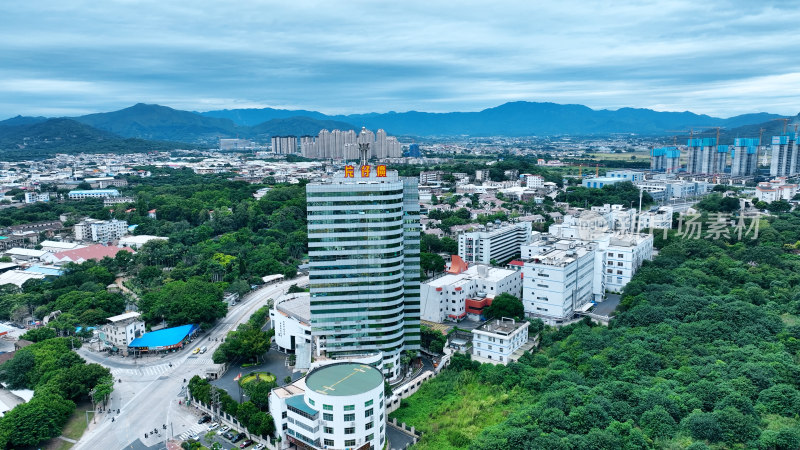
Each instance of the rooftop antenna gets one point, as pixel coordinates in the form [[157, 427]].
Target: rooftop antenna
[[363, 151]]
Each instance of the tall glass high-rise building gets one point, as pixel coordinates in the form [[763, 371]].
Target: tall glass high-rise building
[[363, 239]]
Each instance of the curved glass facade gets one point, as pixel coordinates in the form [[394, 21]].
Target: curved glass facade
[[363, 238]]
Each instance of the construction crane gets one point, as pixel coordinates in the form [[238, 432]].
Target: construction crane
[[764, 157], [786, 121]]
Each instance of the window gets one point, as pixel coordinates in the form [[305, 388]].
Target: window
[[368, 403], [369, 425], [619, 255], [327, 407], [311, 402], [611, 255], [349, 407], [368, 413], [350, 443], [283, 415], [619, 272], [371, 436], [350, 430], [349, 417], [327, 417], [327, 430], [328, 442], [610, 270]]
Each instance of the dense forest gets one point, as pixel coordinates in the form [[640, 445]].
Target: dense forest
[[704, 353]]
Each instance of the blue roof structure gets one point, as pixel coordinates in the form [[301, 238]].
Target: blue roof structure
[[164, 338], [723, 148], [702, 142], [673, 152], [783, 140], [47, 271], [297, 402], [745, 142]]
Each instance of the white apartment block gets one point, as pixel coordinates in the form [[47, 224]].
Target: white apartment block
[[335, 406], [496, 341], [660, 219], [776, 189], [430, 177], [557, 278], [622, 255], [481, 175], [33, 197], [100, 230], [784, 156], [96, 193], [534, 181], [123, 329], [284, 145], [500, 244], [458, 295]]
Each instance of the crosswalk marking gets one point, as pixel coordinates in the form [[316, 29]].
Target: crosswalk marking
[[195, 429], [141, 371]]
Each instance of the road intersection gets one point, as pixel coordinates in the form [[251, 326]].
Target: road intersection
[[148, 395]]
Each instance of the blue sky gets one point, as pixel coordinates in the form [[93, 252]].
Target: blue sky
[[717, 57]]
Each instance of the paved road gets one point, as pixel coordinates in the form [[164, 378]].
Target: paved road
[[150, 389]]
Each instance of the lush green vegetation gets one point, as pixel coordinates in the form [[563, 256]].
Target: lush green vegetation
[[704, 353], [59, 378], [248, 341], [253, 413], [624, 193], [505, 305]]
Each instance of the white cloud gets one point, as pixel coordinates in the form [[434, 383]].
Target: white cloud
[[719, 57]]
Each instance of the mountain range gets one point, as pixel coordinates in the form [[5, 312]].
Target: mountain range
[[160, 123]]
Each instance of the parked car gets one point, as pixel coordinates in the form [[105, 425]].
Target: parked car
[[204, 419], [228, 435], [259, 447], [224, 429], [238, 437], [204, 349], [213, 426], [246, 443]]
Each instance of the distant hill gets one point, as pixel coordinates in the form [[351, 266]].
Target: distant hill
[[39, 139], [163, 123], [250, 117], [770, 128], [21, 120], [295, 126], [514, 119]]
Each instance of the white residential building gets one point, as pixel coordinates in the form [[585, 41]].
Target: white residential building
[[534, 181], [622, 256], [96, 193], [784, 156], [33, 197], [498, 244], [335, 406], [776, 189], [557, 278], [284, 145], [100, 230], [496, 341], [123, 329], [660, 219], [461, 294], [430, 177]]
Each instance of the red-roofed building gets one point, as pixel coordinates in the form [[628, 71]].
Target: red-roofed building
[[96, 252], [516, 265]]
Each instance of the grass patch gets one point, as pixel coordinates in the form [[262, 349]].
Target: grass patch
[[262, 376], [453, 408], [790, 319], [76, 424]]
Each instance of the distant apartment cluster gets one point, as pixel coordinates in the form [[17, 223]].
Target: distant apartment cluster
[[707, 156], [343, 145]]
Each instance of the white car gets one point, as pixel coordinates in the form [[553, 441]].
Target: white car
[[223, 429], [259, 447], [194, 437], [213, 426]]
